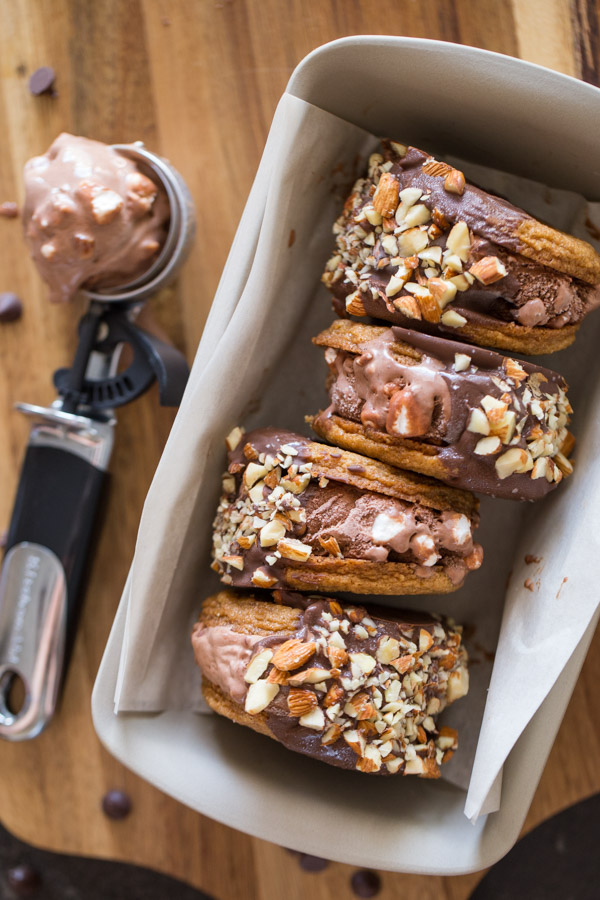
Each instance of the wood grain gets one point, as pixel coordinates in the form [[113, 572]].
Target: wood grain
[[198, 81]]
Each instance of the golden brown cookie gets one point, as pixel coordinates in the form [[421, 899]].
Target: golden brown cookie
[[419, 246], [301, 514], [354, 688], [470, 417]]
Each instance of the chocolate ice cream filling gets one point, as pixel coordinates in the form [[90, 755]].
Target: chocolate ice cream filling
[[367, 525], [274, 513], [454, 397], [223, 655]]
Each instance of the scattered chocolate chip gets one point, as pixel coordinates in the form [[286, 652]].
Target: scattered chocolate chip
[[312, 863], [42, 81], [365, 883], [9, 210], [528, 583], [11, 307], [529, 559], [24, 880], [291, 238], [116, 804]]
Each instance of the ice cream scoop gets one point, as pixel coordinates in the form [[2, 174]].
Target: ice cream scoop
[[93, 208], [95, 216]]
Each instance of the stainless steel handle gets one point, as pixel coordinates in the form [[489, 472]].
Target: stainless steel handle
[[33, 623]]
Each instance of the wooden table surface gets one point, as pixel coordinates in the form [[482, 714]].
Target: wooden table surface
[[198, 81]]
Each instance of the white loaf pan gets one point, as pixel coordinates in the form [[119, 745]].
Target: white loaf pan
[[466, 101]]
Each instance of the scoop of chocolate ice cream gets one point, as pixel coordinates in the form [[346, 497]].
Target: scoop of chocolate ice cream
[[91, 217]]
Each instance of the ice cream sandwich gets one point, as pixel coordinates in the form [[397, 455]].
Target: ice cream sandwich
[[470, 417], [338, 683], [419, 246], [299, 514]]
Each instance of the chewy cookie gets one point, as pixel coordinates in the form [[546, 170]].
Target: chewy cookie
[[356, 690], [298, 514], [420, 247], [470, 417]]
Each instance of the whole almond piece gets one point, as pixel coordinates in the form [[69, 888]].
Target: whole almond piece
[[454, 182], [385, 200], [435, 168], [292, 654], [300, 701], [276, 676]]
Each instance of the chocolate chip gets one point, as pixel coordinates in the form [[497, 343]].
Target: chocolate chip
[[312, 863], [11, 307], [116, 804], [366, 883], [42, 81], [9, 210], [24, 880]]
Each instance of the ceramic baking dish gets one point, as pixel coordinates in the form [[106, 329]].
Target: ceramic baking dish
[[473, 104]]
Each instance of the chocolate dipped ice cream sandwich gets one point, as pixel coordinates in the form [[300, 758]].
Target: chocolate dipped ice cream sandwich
[[92, 218], [299, 514], [419, 246], [468, 416], [338, 683]]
